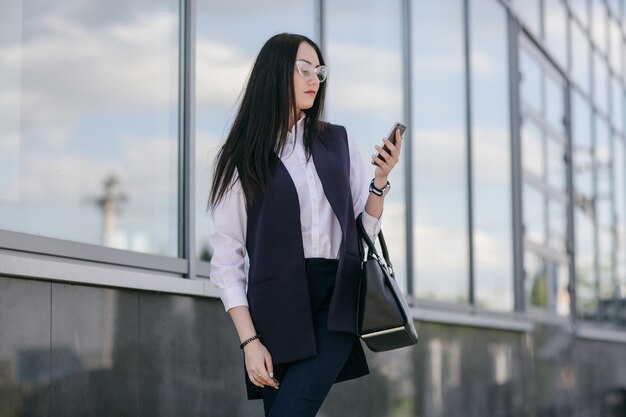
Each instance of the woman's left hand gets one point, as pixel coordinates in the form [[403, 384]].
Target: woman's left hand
[[390, 159]]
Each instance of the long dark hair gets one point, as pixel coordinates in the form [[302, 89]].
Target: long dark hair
[[260, 129]]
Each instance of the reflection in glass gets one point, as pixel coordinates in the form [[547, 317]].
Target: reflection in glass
[[370, 100], [583, 163], [615, 7], [536, 287], [534, 214], [531, 85], [439, 152], [532, 149], [603, 159], [560, 277], [586, 299], [94, 91], [581, 124], [601, 80], [224, 57], [580, 59], [10, 100], [555, 29], [605, 263], [598, 24], [557, 224], [619, 173], [555, 105], [616, 46], [580, 10], [617, 111], [491, 149], [555, 157], [528, 11]]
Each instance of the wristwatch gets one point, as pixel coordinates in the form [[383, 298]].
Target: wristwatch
[[379, 192]]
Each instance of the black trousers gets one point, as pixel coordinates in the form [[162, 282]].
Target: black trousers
[[304, 384]]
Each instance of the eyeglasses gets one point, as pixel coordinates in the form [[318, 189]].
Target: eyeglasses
[[307, 71]]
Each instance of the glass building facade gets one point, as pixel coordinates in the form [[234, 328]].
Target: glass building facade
[[506, 221]]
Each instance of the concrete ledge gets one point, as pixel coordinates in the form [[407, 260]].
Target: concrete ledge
[[47, 268], [590, 332], [474, 319]]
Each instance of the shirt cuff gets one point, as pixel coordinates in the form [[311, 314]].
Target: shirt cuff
[[371, 225], [233, 297]]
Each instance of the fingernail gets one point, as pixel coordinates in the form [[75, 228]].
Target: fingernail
[[374, 155], [272, 374]]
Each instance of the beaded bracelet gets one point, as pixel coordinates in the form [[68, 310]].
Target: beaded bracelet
[[245, 342]]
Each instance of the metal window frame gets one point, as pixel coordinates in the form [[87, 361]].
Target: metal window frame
[[550, 68], [187, 143], [408, 147], [469, 154], [18, 242]]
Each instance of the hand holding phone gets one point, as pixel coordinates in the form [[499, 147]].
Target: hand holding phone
[[391, 137]]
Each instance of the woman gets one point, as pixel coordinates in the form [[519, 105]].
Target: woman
[[287, 189]]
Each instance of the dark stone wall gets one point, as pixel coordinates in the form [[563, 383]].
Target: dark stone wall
[[75, 350]]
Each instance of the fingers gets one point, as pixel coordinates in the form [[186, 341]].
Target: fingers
[[255, 378], [261, 370], [398, 140], [394, 150]]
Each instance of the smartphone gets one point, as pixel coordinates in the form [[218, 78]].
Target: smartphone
[[392, 136]]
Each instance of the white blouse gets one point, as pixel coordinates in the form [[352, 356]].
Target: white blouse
[[321, 232]]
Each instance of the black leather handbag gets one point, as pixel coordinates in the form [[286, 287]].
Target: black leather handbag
[[384, 320]]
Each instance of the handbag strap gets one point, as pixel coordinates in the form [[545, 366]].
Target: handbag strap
[[370, 245]]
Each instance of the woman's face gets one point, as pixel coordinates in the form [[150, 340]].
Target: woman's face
[[305, 90]]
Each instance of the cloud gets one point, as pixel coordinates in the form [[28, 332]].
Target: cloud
[[70, 71], [440, 161], [221, 72], [367, 77]]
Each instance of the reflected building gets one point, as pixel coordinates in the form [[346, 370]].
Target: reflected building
[[506, 222]]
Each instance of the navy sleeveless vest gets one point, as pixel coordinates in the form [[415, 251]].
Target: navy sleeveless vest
[[277, 284]]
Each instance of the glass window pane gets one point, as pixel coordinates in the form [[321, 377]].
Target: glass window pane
[[581, 57], [439, 152], [586, 299], [376, 50], [528, 12], [581, 122], [560, 278], [603, 159], [493, 263], [534, 213], [617, 109], [10, 101], [555, 105], [615, 7], [531, 84], [619, 173], [583, 162], [555, 29], [580, 10], [532, 149], [557, 224], [601, 79], [616, 46], [95, 89], [598, 12], [605, 263], [556, 165], [224, 57], [535, 271]]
